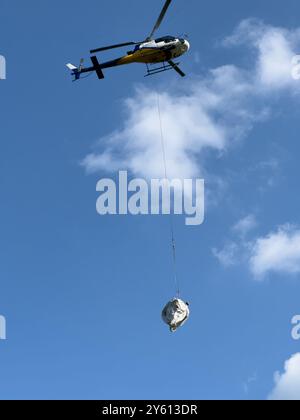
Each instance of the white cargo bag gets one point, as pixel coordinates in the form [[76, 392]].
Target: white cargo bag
[[175, 314]]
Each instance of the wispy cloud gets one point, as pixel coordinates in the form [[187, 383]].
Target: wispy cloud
[[236, 250], [228, 255], [250, 381], [245, 225]]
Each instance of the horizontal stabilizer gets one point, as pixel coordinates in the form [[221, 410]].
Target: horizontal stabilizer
[[71, 66]]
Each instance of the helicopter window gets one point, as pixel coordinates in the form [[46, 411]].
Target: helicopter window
[[165, 39]]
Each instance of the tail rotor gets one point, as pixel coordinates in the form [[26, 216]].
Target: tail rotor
[[76, 71]]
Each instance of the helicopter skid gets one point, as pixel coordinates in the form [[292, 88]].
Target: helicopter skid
[[161, 69]]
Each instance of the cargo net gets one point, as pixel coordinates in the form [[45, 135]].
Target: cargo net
[[175, 314]]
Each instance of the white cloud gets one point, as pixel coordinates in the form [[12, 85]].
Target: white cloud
[[276, 48], [210, 113], [245, 225], [277, 252], [287, 384], [191, 124]]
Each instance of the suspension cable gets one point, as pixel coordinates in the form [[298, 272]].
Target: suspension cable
[[172, 230]]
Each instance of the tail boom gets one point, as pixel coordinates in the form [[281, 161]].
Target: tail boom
[[97, 67]]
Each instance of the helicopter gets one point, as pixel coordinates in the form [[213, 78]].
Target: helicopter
[[151, 52]]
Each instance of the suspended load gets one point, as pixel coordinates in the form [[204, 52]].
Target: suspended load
[[175, 314]]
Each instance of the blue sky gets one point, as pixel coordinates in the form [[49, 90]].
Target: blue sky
[[82, 294]]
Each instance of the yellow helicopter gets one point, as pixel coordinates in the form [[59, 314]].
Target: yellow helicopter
[[150, 52]]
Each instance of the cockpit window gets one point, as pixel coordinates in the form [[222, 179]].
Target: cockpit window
[[165, 39]]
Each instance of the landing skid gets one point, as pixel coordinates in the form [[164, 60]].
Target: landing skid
[[161, 69]]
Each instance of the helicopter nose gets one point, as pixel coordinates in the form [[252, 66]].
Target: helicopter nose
[[187, 45]]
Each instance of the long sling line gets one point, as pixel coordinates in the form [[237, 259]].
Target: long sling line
[[173, 242]]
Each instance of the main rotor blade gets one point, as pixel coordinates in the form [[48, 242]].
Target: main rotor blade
[[176, 68], [110, 47], [161, 17]]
